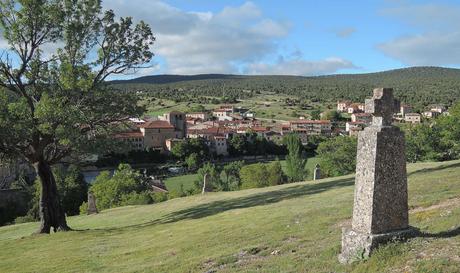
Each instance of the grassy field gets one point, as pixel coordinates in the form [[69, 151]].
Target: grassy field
[[188, 180], [174, 183], [287, 228], [266, 106]]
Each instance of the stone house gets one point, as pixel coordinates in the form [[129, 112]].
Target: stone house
[[178, 121], [361, 117], [204, 116], [430, 114], [343, 105], [404, 109], [312, 127], [413, 118]]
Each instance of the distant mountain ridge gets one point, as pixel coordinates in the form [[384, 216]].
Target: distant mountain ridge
[[421, 71]]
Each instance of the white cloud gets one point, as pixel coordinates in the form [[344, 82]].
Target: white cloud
[[425, 49], [429, 16], [192, 42], [301, 67], [437, 41]]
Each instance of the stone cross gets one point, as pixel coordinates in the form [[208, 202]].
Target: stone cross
[[382, 106], [380, 210], [92, 208], [317, 172]]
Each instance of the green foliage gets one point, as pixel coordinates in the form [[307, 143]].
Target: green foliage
[[158, 197], [423, 143], [119, 189], [261, 175], [418, 86], [230, 176], [332, 115], [84, 208], [134, 198], [197, 108], [214, 182], [295, 161], [186, 148], [338, 155], [315, 114], [57, 105], [435, 141], [275, 174], [192, 161], [72, 188], [252, 144]]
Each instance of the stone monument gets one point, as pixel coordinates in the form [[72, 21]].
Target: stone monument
[[317, 172], [92, 209], [206, 185], [380, 209]]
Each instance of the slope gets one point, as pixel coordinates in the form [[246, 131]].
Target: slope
[[287, 228]]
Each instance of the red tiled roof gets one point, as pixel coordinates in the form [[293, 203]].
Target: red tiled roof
[[260, 129], [157, 124]]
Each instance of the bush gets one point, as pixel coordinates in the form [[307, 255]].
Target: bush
[[135, 198], [109, 191], [24, 219], [338, 155], [84, 208], [158, 197], [261, 175]]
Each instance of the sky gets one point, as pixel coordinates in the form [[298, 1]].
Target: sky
[[296, 37]]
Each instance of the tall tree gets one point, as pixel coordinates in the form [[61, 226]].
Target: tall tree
[[338, 155], [54, 102], [295, 161]]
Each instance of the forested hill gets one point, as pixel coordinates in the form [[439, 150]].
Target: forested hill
[[416, 85]]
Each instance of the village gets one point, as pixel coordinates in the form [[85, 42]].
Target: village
[[217, 126]]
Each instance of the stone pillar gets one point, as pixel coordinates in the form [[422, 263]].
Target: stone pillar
[[317, 172], [206, 184], [92, 208], [380, 209]]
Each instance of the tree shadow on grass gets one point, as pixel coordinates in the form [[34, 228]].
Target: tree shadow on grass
[[437, 168], [260, 199]]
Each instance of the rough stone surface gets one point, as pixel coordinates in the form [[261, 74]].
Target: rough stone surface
[[92, 208], [356, 245], [317, 172], [380, 209]]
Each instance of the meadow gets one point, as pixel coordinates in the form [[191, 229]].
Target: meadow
[[287, 228]]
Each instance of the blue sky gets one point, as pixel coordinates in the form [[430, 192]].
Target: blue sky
[[296, 37]]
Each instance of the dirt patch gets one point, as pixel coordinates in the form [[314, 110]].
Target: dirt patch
[[449, 203]]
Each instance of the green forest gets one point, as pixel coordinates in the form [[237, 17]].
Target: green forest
[[418, 86]]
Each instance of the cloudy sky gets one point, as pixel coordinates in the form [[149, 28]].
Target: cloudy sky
[[296, 37]]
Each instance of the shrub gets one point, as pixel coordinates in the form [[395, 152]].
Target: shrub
[[109, 191], [84, 208], [24, 219], [158, 197], [134, 198], [338, 155]]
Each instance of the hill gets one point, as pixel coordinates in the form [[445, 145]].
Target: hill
[[287, 228], [416, 85]]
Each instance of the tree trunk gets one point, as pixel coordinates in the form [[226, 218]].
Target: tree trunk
[[51, 213]]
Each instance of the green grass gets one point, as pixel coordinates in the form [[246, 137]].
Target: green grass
[[174, 183], [266, 106], [188, 180], [287, 228]]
